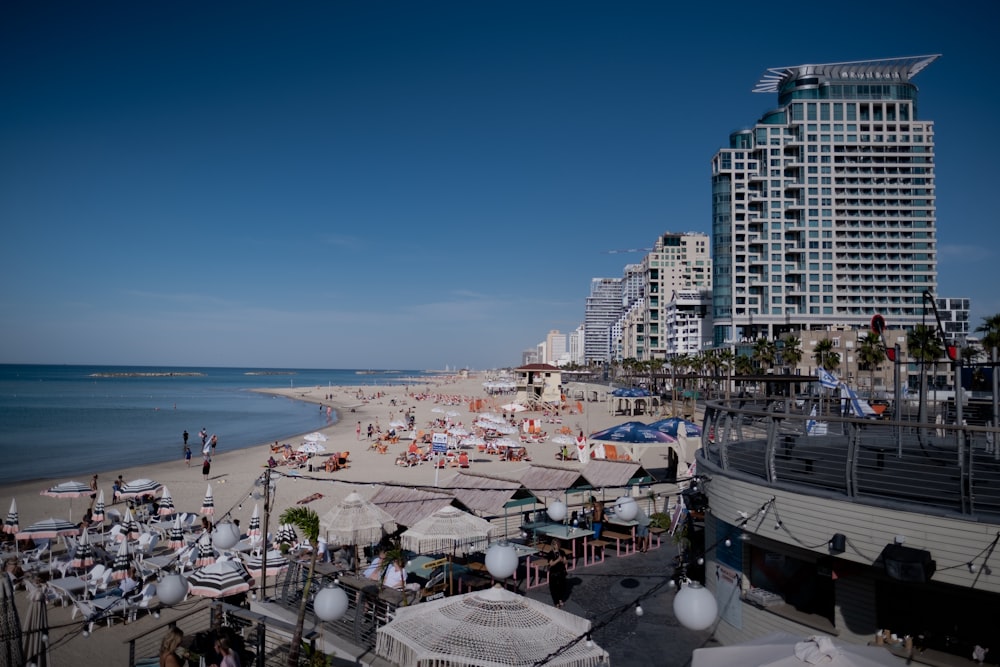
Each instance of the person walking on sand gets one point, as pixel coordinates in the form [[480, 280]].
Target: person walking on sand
[[187, 456], [206, 466], [357, 430], [185, 436], [214, 442]]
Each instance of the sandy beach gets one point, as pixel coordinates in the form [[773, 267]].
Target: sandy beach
[[233, 475]]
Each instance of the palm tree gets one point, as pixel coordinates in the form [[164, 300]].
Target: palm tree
[[871, 353], [764, 353], [825, 357], [990, 328], [791, 353], [307, 521], [727, 360], [924, 346]]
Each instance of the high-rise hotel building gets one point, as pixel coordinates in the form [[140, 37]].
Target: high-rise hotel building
[[823, 213]]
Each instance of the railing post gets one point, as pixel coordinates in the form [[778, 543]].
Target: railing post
[[261, 643], [131, 653]]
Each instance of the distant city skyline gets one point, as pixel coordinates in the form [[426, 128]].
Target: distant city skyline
[[364, 185]]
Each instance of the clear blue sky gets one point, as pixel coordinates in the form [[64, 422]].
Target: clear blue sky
[[407, 185]]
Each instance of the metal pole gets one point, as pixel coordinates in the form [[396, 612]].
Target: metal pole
[[267, 516], [897, 401], [996, 399]]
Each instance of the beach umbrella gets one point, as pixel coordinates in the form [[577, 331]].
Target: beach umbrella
[[11, 650], [139, 487], [206, 554], [286, 533], [276, 564], [355, 521], [448, 530], [670, 426], [314, 437], [220, 579], [166, 504], [439, 411], [458, 431], [130, 527], [208, 504], [176, 535], [633, 433], [48, 528], [311, 448], [83, 556], [10, 526], [36, 630], [253, 530], [122, 561], [492, 628], [98, 513], [69, 490], [513, 407]]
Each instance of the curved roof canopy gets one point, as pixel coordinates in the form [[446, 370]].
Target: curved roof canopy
[[888, 69]]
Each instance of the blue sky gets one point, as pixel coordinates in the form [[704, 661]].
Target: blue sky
[[407, 185]]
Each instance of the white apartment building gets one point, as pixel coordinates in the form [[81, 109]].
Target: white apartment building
[[604, 306], [823, 213], [689, 322]]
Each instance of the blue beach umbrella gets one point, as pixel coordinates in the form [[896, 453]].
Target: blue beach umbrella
[[670, 424], [633, 433]]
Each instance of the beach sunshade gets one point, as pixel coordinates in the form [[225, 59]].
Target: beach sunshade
[[11, 526], [130, 527], [139, 487], [220, 579], [122, 562], [311, 448], [492, 627], [11, 649], [36, 630], [632, 432], [783, 650], [69, 490], [356, 521], [513, 407], [50, 528], [83, 556], [276, 564], [314, 437], [670, 426], [208, 504], [253, 530], [286, 533], [177, 535], [206, 553], [448, 530], [166, 504], [98, 514]]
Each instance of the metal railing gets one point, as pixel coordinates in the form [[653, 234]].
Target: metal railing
[[262, 641], [938, 468]]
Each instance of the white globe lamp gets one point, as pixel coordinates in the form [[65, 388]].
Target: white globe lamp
[[501, 561], [557, 510], [330, 603], [626, 508], [172, 589], [225, 535], [695, 606]]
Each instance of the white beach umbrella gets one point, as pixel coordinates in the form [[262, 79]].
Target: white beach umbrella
[[253, 530], [448, 530], [220, 579], [356, 521], [314, 437], [311, 448], [69, 490], [98, 514]]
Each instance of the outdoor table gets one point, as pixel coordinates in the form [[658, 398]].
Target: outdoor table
[[571, 535]]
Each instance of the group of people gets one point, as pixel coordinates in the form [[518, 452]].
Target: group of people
[[224, 650]]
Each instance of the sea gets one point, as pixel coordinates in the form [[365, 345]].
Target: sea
[[62, 421]]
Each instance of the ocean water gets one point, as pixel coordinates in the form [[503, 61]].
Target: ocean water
[[60, 421]]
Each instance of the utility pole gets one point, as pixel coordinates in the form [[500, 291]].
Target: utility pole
[[263, 551]]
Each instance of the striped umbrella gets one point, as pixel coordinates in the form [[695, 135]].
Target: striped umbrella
[[276, 564], [11, 526], [208, 504], [254, 529], [286, 533], [176, 535], [123, 559], [139, 487], [83, 557], [98, 513], [69, 490], [166, 503], [206, 554], [50, 528], [130, 527], [220, 579]]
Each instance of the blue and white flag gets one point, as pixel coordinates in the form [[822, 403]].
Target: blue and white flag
[[827, 379]]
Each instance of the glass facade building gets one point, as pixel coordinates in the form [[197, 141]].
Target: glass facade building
[[823, 213]]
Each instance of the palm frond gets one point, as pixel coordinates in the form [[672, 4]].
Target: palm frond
[[303, 518]]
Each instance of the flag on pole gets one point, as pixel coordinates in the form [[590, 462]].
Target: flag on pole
[[827, 379]]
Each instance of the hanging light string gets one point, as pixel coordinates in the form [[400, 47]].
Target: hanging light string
[[971, 563]]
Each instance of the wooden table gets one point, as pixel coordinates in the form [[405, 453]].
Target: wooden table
[[571, 535]]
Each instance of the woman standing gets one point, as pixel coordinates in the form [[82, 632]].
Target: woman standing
[[558, 585], [168, 647]]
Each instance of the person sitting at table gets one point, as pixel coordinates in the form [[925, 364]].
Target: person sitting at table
[[395, 578], [374, 569], [597, 518]]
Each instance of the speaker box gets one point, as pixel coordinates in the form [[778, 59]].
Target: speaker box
[[838, 543], [908, 564]]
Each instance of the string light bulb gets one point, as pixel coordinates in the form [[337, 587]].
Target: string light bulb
[[638, 610], [728, 542], [590, 642]]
